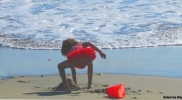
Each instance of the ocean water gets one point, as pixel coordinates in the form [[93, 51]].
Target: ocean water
[[31, 30], [153, 61], [43, 24]]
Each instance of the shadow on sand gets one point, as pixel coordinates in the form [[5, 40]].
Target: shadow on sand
[[50, 93]]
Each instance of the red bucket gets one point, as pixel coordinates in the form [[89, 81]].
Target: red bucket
[[116, 91]]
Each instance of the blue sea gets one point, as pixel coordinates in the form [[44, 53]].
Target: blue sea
[[140, 37]]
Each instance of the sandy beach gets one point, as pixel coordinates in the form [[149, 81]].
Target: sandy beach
[[141, 38], [137, 87]]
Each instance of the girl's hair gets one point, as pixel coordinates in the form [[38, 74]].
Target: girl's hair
[[67, 45]]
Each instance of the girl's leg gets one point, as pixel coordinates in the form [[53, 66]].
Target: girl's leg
[[73, 70], [61, 67], [90, 73]]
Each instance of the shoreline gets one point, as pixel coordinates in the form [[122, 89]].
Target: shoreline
[[137, 87], [103, 48], [13, 76], [20, 42]]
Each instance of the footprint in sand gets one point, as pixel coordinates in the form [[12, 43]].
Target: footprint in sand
[[23, 81], [37, 87], [100, 74], [149, 91], [13, 77], [129, 91], [105, 85]]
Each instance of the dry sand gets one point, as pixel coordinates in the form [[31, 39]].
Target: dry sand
[[137, 87]]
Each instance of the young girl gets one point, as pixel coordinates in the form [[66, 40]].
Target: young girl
[[79, 55]]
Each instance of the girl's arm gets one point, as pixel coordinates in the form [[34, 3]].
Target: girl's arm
[[95, 48]]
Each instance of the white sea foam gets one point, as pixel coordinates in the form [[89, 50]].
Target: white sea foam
[[43, 24]]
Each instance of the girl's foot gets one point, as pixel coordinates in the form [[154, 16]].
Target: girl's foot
[[65, 89], [89, 86]]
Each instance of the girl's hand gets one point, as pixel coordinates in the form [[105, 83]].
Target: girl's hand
[[103, 55], [95, 48]]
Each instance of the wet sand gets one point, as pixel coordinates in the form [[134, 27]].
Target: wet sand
[[137, 87]]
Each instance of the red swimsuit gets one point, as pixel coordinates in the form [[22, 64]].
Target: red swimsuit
[[81, 53]]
